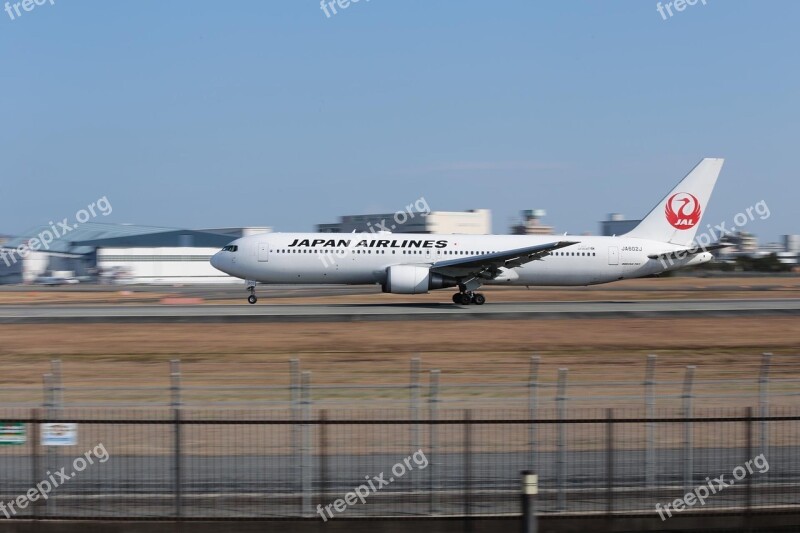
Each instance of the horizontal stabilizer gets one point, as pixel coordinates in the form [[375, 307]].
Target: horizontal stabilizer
[[677, 254]]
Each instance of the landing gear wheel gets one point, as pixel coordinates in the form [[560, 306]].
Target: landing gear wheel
[[463, 298], [457, 298], [251, 288], [478, 299]]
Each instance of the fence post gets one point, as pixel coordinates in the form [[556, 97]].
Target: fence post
[[561, 461], [609, 461], [749, 446], [433, 399], [467, 469], [294, 385], [175, 402], [688, 443], [530, 490], [305, 391], [649, 404], [48, 391], [323, 450], [763, 402], [414, 411], [57, 401], [58, 386], [295, 409], [36, 466], [533, 384]]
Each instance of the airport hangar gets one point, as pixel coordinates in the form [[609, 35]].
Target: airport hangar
[[125, 253], [122, 253]]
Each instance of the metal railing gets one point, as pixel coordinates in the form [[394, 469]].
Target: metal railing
[[191, 464]]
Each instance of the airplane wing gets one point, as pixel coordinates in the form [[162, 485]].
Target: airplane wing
[[677, 254], [487, 266]]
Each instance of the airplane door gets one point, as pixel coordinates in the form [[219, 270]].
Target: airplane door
[[428, 254], [613, 255], [263, 252]]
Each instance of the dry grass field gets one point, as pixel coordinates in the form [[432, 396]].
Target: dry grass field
[[595, 350]]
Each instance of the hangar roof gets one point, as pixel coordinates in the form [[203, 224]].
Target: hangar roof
[[84, 238]]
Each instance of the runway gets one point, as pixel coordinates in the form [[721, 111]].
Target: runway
[[266, 312]]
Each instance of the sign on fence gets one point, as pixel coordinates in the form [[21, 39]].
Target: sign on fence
[[59, 434], [12, 433]]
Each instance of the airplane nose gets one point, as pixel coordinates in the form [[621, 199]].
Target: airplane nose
[[216, 261]]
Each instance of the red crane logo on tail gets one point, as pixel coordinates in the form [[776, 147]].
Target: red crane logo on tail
[[683, 210]]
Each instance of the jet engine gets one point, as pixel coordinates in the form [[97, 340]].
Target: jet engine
[[412, 279]]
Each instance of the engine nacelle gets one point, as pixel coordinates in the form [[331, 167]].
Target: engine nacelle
[[411, 279]]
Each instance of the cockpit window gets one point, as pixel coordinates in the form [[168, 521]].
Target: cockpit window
[[230, 248]]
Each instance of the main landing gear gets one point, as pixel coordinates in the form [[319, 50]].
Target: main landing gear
[[251, 288], [469, 297]]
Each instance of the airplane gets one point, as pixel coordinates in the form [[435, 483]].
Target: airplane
[[407, 263]]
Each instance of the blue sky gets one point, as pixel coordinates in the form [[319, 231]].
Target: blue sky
[[204, 114]]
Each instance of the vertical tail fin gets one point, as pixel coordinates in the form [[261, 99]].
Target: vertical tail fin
[[676, 218]]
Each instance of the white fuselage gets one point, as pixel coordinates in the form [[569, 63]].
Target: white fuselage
[[363, 258]]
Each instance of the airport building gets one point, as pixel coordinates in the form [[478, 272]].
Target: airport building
[[473, 222], [616, 224], [118, 253], [9, 273], [788, 251], [741, 243], [532, 224], [791, 244]]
